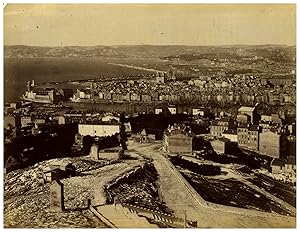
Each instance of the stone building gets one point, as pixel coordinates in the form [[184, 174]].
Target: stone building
[[160, 77], [219, 126], [99, 129], [25, 120], [176, 140], [112, 153], [145, 136], [272, 144], [221, 146], [248, 137], [230, 134], [249, 111], [12, 121]]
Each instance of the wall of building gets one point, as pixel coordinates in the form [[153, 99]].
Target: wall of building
[[248, 139], [253, 140], [242, 118], [242, 135], [172, 110], [13, 121], [25, 121], [218, 146], [277, 169], [269, 144], [61, 120], [178, 143], [98, 130], [94, 152], [158, 111], [217, 130], [108, 155], [200, 112], [231, 137]]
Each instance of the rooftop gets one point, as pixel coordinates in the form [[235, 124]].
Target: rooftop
[[246, 108], [230, 131], [99, 122], [254, 128]]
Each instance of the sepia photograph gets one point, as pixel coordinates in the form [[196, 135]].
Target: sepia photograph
[[139, 115]]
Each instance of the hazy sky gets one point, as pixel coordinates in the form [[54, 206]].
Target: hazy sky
[[203, 24]]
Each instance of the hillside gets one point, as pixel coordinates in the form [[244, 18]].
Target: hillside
[[154, 51]]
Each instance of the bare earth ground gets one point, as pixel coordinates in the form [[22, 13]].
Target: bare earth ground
[[179, 198]]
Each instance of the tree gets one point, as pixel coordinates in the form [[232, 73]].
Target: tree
[[123, 137], [87, 142]]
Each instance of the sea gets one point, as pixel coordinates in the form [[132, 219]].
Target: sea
[[17, 71]]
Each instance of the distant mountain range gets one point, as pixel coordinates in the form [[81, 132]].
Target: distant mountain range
[[153, 51]]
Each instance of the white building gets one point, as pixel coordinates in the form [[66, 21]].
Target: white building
[[98, 130], [158, 110], [172, 110], [201, 112]]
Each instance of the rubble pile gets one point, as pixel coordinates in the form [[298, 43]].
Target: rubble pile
[[32, 211], [86, 164], [20, 181], [140, 188], [27, 197], [77, 194]]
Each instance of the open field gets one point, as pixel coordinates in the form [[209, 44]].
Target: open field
[[232, 193], [276, 188]]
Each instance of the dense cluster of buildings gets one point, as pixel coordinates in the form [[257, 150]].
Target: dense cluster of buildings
[[284, 169], [222, 90], [265, 134]]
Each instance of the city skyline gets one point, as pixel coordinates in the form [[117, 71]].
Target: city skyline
[[149, 24]]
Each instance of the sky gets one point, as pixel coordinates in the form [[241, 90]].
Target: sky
[[133, 24]]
